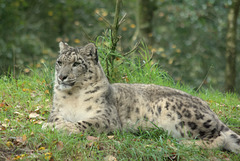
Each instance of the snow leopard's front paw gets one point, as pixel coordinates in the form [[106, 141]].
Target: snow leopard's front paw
[[48, 125], [67, 126]]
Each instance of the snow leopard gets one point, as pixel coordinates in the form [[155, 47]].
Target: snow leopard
[[84, 100]]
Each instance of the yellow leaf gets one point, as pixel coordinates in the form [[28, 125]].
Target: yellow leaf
[[9, 144], [77, 41], [132, 26], [24, 138], [17, 157], [50, 13], [25, 90], [163, 55], [26, 70], [46, 91], [48, 155], [124, 29], [153, 50], [23, 155], [41, 148], [174, 46], [178, 51], [160, 49], [170, 61]]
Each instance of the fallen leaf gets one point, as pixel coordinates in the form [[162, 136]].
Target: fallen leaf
[[110, 137], [24, 138], [2, 128], [41, 148], [33, 115], [46, 91], [2, 104], [59, 145], [17, 157], [18, 113], [93, 141], [19, 140], [48, 156], [92, 138], [38, 122], [9, 144], [110, 158], [90, 144]]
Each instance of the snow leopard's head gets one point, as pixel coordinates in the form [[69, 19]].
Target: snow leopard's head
[[75, 66]]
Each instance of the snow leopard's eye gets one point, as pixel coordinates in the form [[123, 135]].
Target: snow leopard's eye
[[59, 63], [76, 64]]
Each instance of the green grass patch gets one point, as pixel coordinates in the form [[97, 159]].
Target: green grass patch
[[25, 103]]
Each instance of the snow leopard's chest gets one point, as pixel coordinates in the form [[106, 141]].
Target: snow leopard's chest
[[75, 106]]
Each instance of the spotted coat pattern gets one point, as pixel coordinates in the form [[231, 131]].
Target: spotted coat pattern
[[84, 100]]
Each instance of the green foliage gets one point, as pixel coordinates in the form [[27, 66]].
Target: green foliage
[[188, 36]]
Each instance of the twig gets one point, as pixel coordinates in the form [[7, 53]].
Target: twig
[[105, 20], [204, 79], [85, 33], [122, 19], [133, 49]]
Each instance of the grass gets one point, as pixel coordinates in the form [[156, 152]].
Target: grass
[[25, 103]]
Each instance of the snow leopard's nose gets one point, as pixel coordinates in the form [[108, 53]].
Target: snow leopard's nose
[[62, 77]]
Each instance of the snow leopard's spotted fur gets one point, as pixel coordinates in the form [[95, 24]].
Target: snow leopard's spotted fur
[[84, 100]]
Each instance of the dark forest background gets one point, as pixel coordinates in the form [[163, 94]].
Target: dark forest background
[[196, 42]]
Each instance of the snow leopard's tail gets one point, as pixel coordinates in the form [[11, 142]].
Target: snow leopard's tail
[[231, 141]]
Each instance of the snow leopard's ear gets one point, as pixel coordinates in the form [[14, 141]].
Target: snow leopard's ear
[[90, 51], [63, 46]]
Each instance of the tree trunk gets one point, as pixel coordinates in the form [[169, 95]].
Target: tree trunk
[[144, 16], [230, 70]]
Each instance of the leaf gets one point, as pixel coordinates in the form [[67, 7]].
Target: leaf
[[38, 122], [2, 104], [33, 115], [18, 113], [59, 145], [110, 136], [9, 144], [110, 158], [46, 91], [41, 148], [48, 155], [24, 138], [19, 140], [2, 127], [17, 157], [92, 138]]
